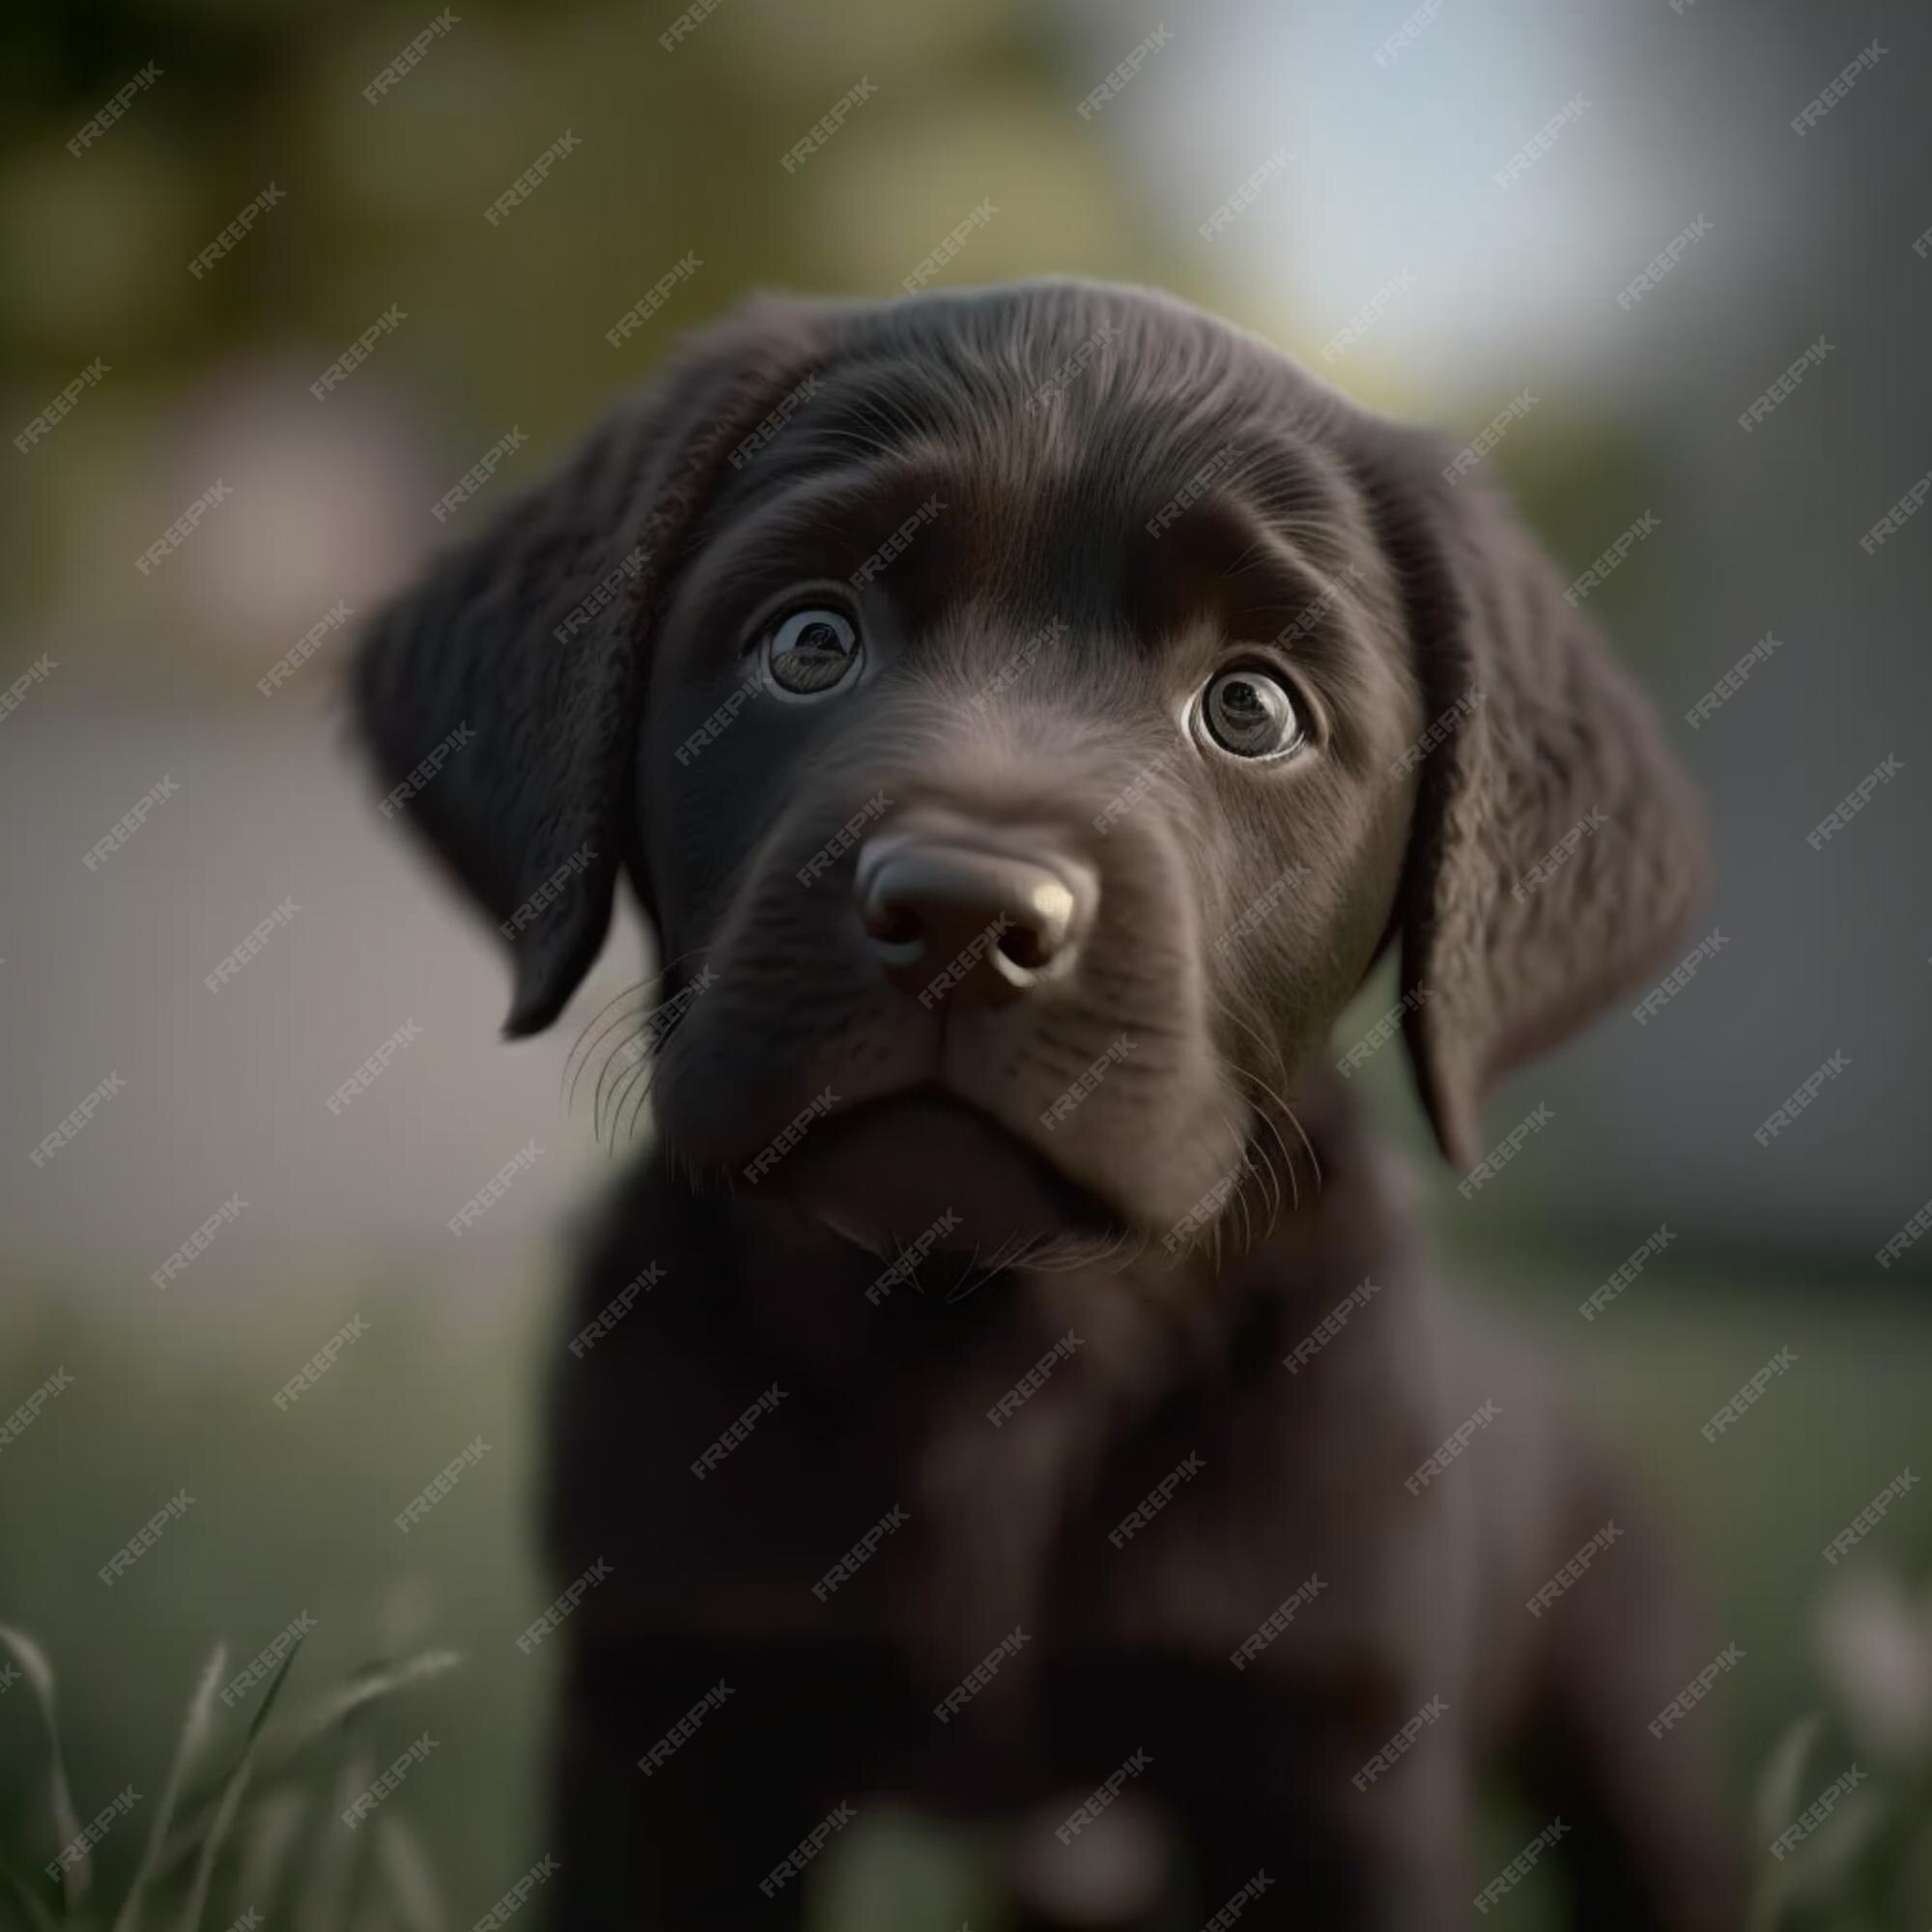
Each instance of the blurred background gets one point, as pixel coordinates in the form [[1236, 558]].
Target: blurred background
[[206, 206]]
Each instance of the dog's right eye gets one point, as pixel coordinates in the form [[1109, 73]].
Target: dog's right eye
[[812, 652]]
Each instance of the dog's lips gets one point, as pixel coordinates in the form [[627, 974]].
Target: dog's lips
[[924, 1168]]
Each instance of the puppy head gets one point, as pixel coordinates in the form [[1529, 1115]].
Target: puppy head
[[1025, 715]]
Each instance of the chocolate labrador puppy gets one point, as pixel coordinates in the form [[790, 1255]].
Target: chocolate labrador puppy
[[1012, 1384]]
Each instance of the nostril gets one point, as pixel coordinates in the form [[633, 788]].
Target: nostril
[[892, 924], [1025, 948]]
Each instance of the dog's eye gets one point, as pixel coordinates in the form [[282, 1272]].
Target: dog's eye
[[812, 652], [1249, 713]]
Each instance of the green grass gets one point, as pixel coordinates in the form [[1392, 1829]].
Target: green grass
[[292, 1512]]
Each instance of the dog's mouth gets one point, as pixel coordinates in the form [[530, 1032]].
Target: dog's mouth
[[925, 1172]]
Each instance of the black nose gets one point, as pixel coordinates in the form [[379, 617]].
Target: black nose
[[955, 921]]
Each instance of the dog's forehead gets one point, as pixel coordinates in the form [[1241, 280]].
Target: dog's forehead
[[1080, 453]]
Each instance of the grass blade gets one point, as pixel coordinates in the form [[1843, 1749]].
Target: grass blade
[[40, 1675], [195, 1730]]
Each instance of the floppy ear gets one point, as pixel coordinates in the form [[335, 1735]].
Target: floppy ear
[[498, 697], [1557, 848]]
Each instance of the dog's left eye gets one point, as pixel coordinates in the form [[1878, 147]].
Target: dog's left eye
[[1250, 713], [812, 652]]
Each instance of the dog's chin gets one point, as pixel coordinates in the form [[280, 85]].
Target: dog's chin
[[927, 1173]]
